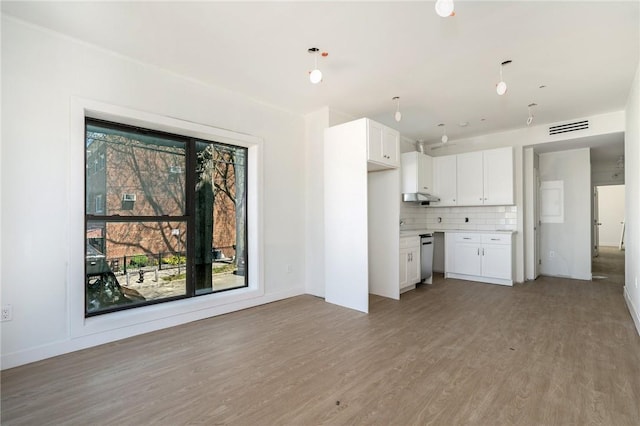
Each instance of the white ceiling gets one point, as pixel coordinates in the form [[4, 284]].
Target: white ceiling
[[443, 69]]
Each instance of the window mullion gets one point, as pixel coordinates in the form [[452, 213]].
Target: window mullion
[[190, 187]]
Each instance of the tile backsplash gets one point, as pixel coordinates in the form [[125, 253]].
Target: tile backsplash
[[489, 218]]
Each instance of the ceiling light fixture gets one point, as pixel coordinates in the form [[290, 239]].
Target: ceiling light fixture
[[444, 137], [315, 76], [501, 87], [530, 118], [444, 8], [398, 115]]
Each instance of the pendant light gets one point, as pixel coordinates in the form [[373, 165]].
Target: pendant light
[[398, 115], [444, 8], [315, 76], [530, 118], [501, 87], [444, 137]]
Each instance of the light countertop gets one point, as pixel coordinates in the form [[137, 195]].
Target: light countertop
[[416, 232]]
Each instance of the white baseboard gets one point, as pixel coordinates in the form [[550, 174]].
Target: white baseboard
[[49, 350], [479, 279], [633, 310]]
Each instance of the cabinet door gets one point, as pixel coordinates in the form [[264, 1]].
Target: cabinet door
[[498, 176], [374, 142], [444, 180], [496, 261], [413, 267], [425, 174], [404, 267], [391, 147], [467, 259], [417, 174], [383, 146], [469, 179]]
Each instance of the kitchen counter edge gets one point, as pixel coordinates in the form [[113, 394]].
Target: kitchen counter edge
[[417, 232]]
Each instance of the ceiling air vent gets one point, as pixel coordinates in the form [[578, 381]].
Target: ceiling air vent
[[569, 127]]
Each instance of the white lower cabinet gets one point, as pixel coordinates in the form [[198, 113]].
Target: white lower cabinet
[[409, 262], [479, 257]]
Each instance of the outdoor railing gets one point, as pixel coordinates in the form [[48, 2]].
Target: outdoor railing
[[164, 260]]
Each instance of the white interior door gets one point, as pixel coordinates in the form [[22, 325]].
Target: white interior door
[[611, 215]]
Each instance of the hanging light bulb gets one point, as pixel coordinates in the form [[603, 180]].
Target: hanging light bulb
[[398, 115], [530, 118], [444, 137], [444, 8], [315, 76], [501, 87]]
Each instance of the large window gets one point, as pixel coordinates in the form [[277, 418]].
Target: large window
[[172, 219]]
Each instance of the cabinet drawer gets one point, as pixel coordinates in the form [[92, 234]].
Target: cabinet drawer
[[466, 238], [406, 242], [496, 238]]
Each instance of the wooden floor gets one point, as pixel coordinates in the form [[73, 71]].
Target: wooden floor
[[549, 352], [609, 264]]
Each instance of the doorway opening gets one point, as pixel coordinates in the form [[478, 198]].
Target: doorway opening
[[608, 233]]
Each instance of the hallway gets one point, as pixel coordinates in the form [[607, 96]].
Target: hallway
[[609, 265]]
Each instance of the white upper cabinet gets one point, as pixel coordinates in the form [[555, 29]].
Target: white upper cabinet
[[444, 180], [498, 176], [383, 147], [485, 177], [417, 173], [469, 179]]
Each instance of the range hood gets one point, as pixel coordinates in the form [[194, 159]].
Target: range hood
[[420, 198]]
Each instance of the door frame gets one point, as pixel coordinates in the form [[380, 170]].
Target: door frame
[[595, 217]]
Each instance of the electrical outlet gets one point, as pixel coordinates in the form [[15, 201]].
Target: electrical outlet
[[552, 254], [288, 269], [7, 313]]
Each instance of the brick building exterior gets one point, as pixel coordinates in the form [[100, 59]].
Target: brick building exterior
[[129, 177]]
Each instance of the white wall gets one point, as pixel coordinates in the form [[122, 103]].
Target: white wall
[[606, 175], [610, 214], [346, 216], [632, 198], [315, 123], [565, 247], [531, 165], [42, 73]]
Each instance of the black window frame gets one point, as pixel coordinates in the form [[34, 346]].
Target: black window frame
[[188, 217]]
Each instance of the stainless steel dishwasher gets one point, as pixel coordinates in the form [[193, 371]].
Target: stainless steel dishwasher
[[426, 256]]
